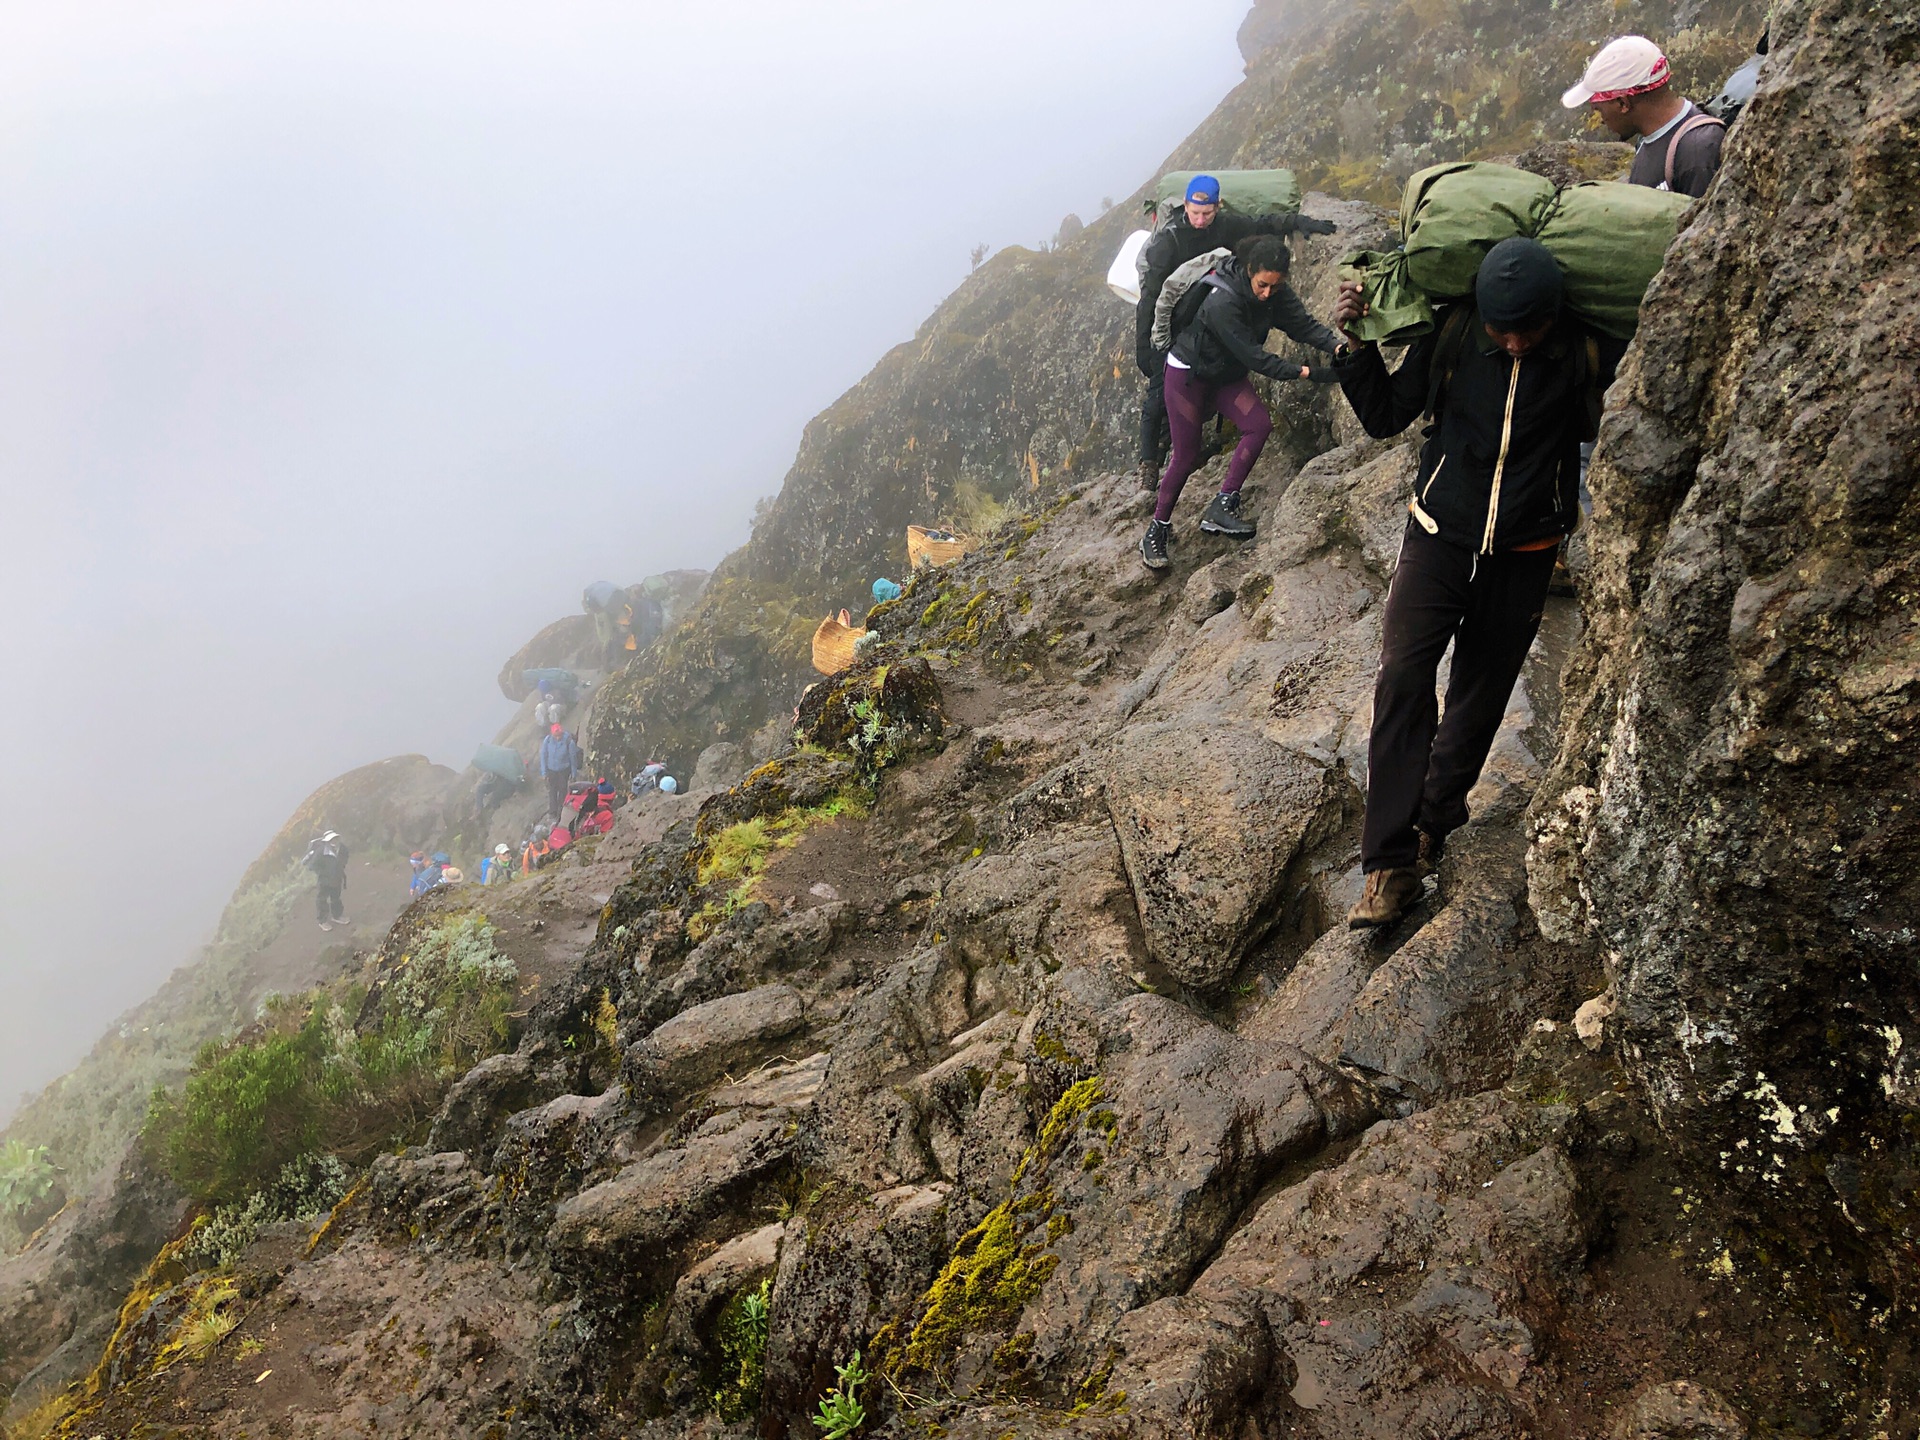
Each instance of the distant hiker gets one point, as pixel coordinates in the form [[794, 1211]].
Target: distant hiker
[[885, 590], [668, 785], [327, 858], [1512, 385], [648, 778], [1199, 227], [534, 854], [1629, 85], [497, 868], [1206, 374], [426, 871], [559, 763], [451, 874]]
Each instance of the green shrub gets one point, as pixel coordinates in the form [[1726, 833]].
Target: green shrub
[[26, 1176], [308, 1081], [743, 1352], [305, 1189]]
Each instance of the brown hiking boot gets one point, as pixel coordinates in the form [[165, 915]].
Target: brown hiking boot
[[1432, 848], [1388, 896]]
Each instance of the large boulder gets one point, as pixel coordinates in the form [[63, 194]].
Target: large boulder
[[1209, 824], [1732, 815]]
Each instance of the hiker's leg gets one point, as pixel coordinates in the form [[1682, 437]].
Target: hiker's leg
[[1241, 404], [1153, 420], [1504, 605], [322, 911], [1424, 606], [1187, 408]]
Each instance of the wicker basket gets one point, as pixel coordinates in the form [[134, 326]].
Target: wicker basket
[[923, 551], [833, 644]]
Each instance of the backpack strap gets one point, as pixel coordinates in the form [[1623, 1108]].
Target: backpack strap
[[1593, 395], [1687, 127], [1447, 349]]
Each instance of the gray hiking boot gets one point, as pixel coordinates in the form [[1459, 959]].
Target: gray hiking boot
[[1223, 518], [1148, 474], [1153, 545], [1388, 896]]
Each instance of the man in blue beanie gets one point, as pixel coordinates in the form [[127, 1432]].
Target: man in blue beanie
[[1512, 384], [1200, 226]]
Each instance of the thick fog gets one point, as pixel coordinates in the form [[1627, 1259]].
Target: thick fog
[[342, 344]]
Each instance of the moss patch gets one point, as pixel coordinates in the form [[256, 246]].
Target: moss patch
[[1001, 1263]]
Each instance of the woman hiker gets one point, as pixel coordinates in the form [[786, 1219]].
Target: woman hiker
[[1207, 372]]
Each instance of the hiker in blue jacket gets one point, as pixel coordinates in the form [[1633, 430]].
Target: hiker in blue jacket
[[559, 763]]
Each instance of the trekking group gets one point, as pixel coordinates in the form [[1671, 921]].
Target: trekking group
[[1506, 376], [1508, 381]]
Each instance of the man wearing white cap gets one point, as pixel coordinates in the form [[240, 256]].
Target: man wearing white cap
[[1630, 87]]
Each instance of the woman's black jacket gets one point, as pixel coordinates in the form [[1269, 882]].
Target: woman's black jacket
[[1228, 336]]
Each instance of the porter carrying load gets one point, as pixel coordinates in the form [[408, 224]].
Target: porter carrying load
[[1610, 240], [1251, 194]]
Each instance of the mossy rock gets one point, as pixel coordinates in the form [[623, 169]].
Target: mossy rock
[[798, 780], [880, 710]]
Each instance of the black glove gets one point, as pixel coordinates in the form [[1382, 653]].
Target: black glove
[[1310, 226], [1150, 361], [1320, 373]]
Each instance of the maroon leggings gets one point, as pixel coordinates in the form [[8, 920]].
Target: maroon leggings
[[1189, 403]]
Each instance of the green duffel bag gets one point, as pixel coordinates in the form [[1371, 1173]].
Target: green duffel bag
[[1452, 215], [1610, 240], [1398, 311], [1244, 192]]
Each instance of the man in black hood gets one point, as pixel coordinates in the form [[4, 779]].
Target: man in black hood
[[1512, 385], [1200, 226]]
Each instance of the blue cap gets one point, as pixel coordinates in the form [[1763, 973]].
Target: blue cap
[[1203, 190], [885, 590]]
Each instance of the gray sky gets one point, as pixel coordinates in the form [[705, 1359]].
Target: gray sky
[[341, 344]]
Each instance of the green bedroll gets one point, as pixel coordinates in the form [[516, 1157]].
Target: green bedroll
[[1610, 239], [1245, 192], [1452, 215]]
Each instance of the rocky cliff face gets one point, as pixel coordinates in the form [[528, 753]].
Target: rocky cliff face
[[1732, 817]]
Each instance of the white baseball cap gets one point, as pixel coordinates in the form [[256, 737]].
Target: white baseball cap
[[1631, 65]]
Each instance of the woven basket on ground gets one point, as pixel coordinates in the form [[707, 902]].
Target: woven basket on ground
[[924, 551], [833, 644]]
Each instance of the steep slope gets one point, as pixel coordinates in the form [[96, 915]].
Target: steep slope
[[1024, 381], [1001, 1029]]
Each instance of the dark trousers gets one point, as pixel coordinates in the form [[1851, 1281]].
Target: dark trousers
[[557, 781], [1419, 766], [1153, 418], [327, 903]]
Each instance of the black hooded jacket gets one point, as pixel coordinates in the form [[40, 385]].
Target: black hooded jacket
[[1501, 464], [1178, 242], [1228, 336]]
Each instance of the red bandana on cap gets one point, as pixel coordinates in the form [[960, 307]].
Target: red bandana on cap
[[1662, 73]]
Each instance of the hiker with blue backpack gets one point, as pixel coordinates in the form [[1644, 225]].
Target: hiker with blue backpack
[[1220, 327], [559, 763]]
